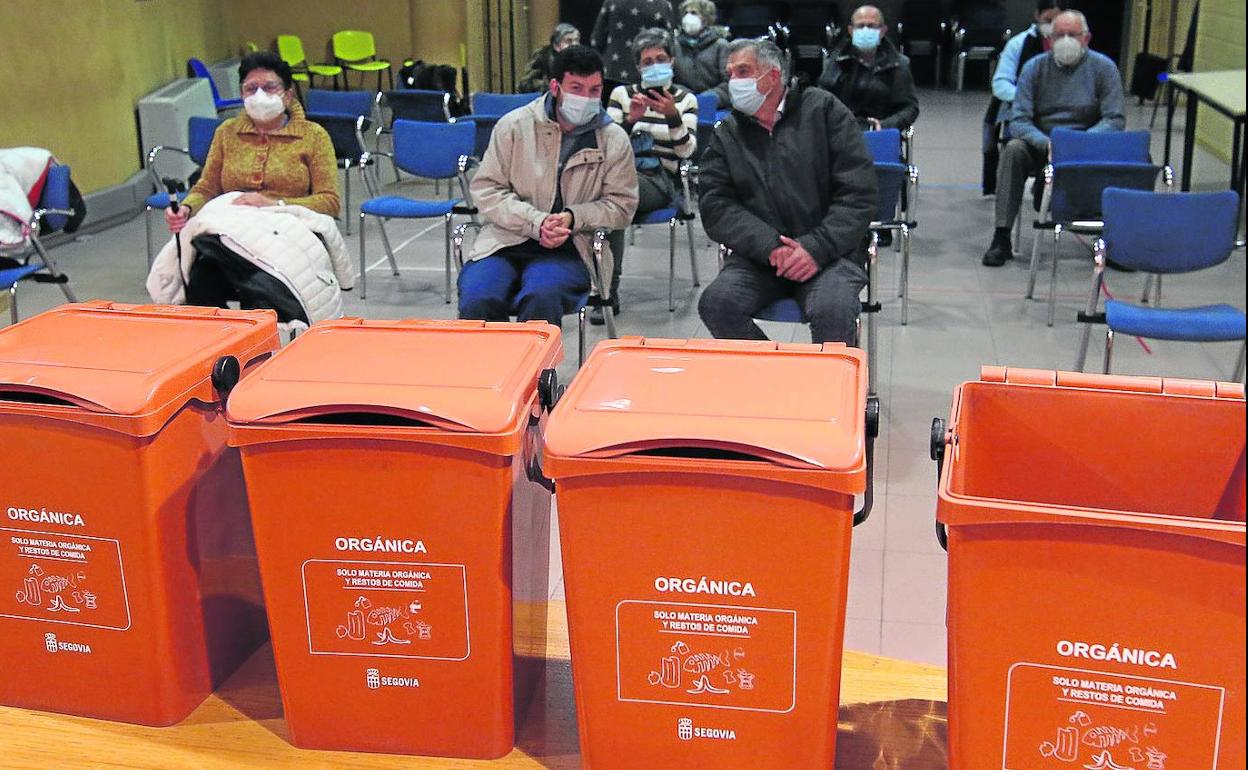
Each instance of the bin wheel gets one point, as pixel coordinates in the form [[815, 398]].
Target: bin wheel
[[937, 449], [225, 374], [548, 389], [873, 417]]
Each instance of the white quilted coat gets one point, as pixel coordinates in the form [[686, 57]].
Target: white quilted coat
[[20, 169], [280, 240]]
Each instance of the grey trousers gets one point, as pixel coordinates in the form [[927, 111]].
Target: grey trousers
[[829, 300], [1019, 160]]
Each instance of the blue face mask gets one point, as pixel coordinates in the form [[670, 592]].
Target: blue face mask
[[866, 38], [656, 75]]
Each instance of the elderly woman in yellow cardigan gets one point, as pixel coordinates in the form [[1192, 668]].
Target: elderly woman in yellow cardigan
[[272, 153]]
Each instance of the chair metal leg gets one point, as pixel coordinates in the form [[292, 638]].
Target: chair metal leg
[[580, 320], [961, 69], [671, 265], [385, 241], [447, 220], [346, 202], [1057, 236], [693, 259], [632, 235], [1016, 247], [50, 263], [147, 228], [363, 263], [1157, 292], [1109, 350], [13, 303], [1035, 265], [609, 314], [905, 274], [1239, 362]]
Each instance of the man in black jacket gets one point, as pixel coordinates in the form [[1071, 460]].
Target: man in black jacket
[[867, 72], [788, 185]]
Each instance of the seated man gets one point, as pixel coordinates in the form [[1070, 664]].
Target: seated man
[[661, 120], [1019, 50], [554, 171], [868, 73], [1070, 87], [788, 185]]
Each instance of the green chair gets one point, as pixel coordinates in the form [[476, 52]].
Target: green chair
[[356, 51], [290, 48]]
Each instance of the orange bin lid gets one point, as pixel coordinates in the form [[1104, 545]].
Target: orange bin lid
[[453, 376], [127, 367], [799, 407]]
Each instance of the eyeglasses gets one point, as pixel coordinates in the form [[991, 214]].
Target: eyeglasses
[[271, 87]]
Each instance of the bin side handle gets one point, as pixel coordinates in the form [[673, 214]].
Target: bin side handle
[[937, 451], [549, 391], [872, 426]]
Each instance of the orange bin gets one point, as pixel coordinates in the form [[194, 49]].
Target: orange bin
[[706, 502], [1096, 572], [128, 580], [388, 466]]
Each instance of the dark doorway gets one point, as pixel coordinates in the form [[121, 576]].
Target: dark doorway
[[1109, 20]]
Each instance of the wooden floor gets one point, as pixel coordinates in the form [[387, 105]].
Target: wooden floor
[[892, 717]]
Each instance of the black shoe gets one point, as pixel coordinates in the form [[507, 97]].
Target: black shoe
[[598, 318], [1000, 252]]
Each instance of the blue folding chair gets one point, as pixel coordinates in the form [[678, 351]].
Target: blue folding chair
[[200, 70], [429, 150], [709, 115], [899, 191], [51, 214], [350, 103], [497, 105], [788, 310], [199, 131], [412, 104], [597, 296], [680, 211], [1164, 233], [1081, 166]]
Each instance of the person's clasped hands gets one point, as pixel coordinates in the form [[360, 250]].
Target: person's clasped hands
[[177, 219], [555, 230], [792, 261]]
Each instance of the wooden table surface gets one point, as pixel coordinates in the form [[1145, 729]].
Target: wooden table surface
[[892, 716]]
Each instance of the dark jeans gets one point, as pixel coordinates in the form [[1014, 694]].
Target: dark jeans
[[536, 284], [1019, 160], [829, 300], [219, 276]]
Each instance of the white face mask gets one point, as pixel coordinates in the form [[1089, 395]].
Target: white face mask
[[578, 110], [691, 23], [263, 107], [745, 95], [1067, 51], [1045, 29]]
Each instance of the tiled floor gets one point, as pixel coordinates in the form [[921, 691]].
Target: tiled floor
[[962, 316]]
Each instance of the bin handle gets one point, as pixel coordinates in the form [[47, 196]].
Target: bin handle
[[225, 375], [937, 451], [549, 391], [872, 429]]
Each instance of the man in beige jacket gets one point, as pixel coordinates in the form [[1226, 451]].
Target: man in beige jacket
[[555, 171]]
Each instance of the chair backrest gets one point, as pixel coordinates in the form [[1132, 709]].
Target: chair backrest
[[1169, 232], [432, 150], [199, 131], [1100, 146], [353, 45], [55, 195], [891, 179], [344, 132], [200, 70], [884, 145], [485, 128], [1077, 187], [290, 48], [484, 103], [412, 104], [708, 107], [350, 103]]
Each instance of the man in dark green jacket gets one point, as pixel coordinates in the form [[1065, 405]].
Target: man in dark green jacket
[[787, 184]]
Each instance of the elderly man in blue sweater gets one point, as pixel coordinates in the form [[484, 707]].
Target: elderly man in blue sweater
[[1069, 87]]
